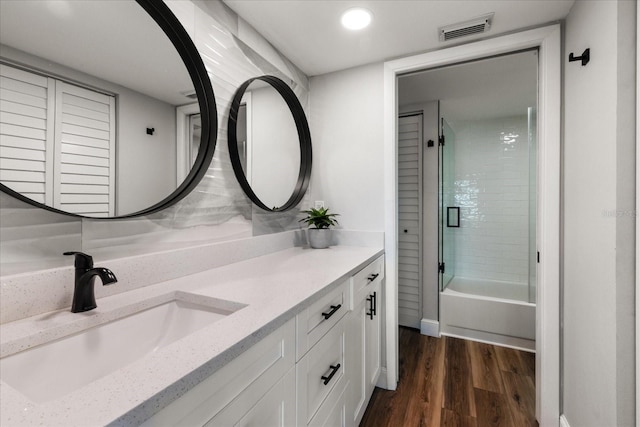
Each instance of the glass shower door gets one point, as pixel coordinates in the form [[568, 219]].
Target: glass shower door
[[448, 212]]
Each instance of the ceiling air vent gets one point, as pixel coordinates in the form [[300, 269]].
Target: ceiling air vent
[[467, 28]]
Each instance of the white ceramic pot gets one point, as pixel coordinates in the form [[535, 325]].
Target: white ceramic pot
[[319, 238]]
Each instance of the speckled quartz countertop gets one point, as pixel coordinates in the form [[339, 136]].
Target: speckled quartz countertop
[[273, 288]]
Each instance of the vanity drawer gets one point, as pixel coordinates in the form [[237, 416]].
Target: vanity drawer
[[320, 374], [373, 272], [317, 319]]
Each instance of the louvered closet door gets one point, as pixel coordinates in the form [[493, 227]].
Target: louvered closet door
[[26, 133], [84, 182], [409, 220]]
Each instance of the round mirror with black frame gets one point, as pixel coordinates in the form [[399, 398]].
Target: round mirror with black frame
[[270, 143], [137, 55]]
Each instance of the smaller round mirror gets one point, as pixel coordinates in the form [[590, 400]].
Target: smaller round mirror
[[269, 143]]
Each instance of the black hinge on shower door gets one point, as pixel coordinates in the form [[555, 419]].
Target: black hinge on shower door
[[441, 267], [441, 140]]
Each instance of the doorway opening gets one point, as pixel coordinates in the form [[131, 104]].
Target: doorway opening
[[467, 233], [547, 309]]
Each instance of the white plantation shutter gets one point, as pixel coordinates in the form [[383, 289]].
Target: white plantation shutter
[[57, 142], [26, 133], [84, 151]]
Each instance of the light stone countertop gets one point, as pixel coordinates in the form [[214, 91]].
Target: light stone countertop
[[273, 287]]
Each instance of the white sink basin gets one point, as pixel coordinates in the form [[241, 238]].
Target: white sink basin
[[59, 367]]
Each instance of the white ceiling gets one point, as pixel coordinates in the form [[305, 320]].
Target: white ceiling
[[308, 32]]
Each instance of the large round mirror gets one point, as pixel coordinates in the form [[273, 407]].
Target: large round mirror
[[270, 143], [106, 106]]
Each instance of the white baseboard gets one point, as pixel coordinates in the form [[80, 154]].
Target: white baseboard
[[430, 328], [489, 338], [382, 379], [563, 421]]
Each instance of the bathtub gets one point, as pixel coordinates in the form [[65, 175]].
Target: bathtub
[[488, 311]]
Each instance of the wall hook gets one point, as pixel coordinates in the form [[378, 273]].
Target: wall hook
[[585, 57], [150, 131]]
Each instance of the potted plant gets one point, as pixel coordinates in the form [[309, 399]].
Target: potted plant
[[319, 220]]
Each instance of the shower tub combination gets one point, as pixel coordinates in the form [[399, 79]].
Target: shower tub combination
[[488, 311], [489, 248]]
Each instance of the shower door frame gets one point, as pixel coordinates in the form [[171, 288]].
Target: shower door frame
[[547, 40]]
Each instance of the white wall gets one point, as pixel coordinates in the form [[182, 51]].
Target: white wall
[[275, 150], [145, 164], [346, 112], [598, 362]]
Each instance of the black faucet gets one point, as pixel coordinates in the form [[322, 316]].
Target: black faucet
[[84, 298]]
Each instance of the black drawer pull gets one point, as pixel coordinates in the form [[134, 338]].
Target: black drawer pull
[[334, 369], [372, 277], [331, 312]]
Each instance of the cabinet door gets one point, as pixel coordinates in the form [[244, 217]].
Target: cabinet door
[[363, 351], [355, 350], [276, 408], [332, 413], [372, 333], [247, 378]]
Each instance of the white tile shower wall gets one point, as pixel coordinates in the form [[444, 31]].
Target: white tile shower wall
[[492, 189]]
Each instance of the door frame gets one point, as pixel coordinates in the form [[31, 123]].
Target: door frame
[[637, 379], [547, 40], [183, 150]]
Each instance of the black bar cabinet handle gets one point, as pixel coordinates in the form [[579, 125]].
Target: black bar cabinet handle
[[374, 303], [334, 308], [373, 277], [371, 309], [327, 378]]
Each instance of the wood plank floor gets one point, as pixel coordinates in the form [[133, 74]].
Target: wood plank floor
[[452, 382]]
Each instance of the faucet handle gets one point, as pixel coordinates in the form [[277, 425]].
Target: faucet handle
[[82, 260]]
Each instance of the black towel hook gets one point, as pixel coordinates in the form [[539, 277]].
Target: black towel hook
[[585, 57]]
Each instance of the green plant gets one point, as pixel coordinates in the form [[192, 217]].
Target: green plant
[[319, 218]]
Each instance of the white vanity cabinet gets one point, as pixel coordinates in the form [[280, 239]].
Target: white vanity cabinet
[[319, 369], [364, 338]]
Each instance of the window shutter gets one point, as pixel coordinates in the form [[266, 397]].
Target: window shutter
[[85, 151], [26, 133]]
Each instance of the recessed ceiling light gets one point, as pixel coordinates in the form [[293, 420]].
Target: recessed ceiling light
[[356, 18]]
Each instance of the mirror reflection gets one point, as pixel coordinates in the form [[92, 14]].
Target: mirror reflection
[[98, 112], [268, 144]]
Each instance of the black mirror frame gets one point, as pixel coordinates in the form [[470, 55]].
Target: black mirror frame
[[187, 50], [304, 137]]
